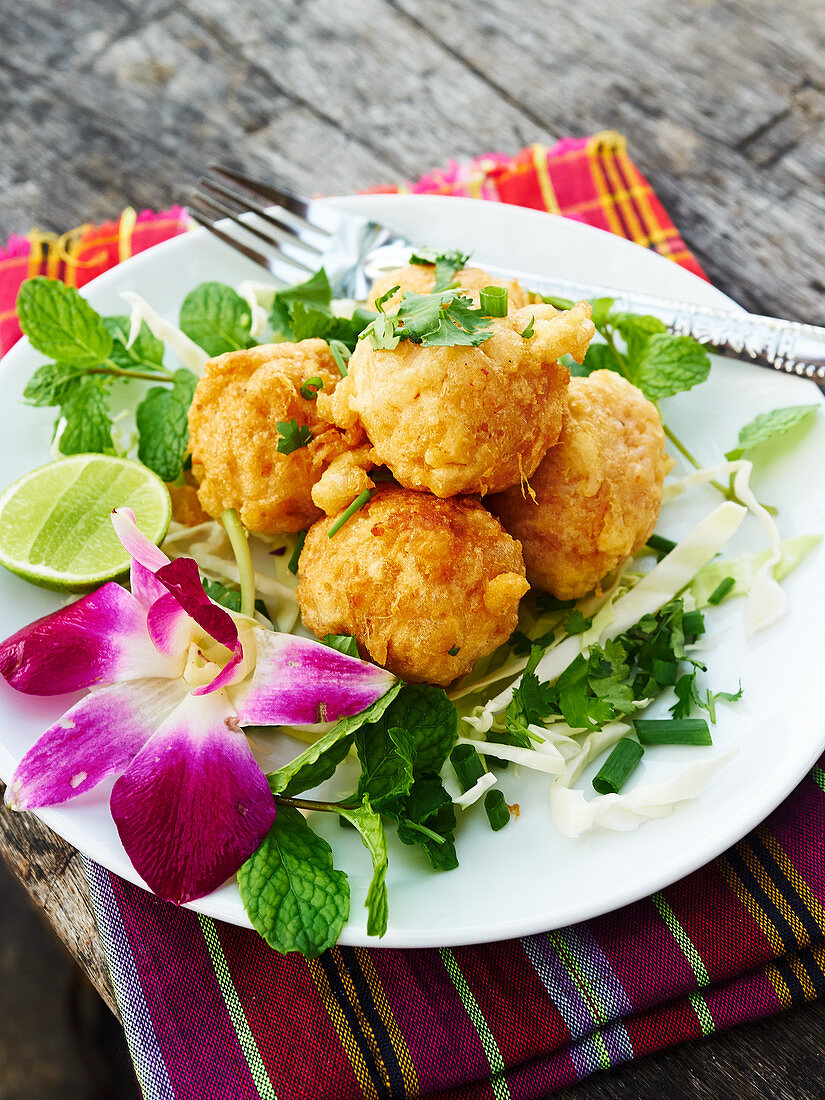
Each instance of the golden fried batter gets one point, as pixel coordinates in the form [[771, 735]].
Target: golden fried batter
[[234, 438], [598, 491], [419, 278], [465, 419], [426, 586]]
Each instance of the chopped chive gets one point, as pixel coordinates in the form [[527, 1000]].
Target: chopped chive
[[528, 332], [493, 300], [660, 544], [497, 813], [358, 503], [618, 767], [665, 672], [468, 765], [721, 590], [292, 564], [693, 623], [672, 731], [341, 354], [454, 650], [311, 388]]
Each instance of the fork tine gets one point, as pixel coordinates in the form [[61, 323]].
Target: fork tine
[[298, 207], [259, 258], [223, 210], [242, 204]]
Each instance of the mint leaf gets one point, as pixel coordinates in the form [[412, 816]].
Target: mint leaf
[[597, 357], [163, 425], [431, 720], [216, 318], [293, 436], [295, 898], [429, 806], [600, 310], [320, 760], [769, 425], [88, 423], [447, 264], [636, 329], [669, 364], [147, 350], [315, 292], [51, 383], [386, 754], [344, 643], [369, 825], [309, 322], [61, 324]]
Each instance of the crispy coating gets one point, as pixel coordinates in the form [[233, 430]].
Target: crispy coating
[[597, 493], [419, 278], [465, 419], [234, 438], [413, 577]]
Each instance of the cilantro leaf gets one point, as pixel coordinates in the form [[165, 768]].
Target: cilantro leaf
[[309, 322], [147, 350], [163, 425], [315, 293], [320, 760], [292, 436], [344, 643], [295, 898], [61, 324], [386, 755], [769, 425], [51, 383], [369, 825], [445, 319], [217, 318], [88, 423], [447, 264], [670, 364], [576, 623]]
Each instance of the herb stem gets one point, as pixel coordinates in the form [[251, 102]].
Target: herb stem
[[310, 804], [620, 359], [111, 368], [240, 548], [728, 493]]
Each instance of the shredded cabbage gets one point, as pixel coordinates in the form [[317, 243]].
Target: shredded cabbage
[[744, 568], [187, 350], [479, 788]]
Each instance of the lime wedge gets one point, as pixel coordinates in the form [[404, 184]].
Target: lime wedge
[[55, 529]]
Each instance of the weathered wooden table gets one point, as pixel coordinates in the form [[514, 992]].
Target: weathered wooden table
[[111, 102]]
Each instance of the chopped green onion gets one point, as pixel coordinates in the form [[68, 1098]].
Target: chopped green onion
[[341, 354], [528, 332], [357, 504], [665, 672], [454, 650], [493, 300], [660, 544], [292, 564], [618, 767], [497, 813], [672, 731], [693, 623], [311, 388], [721, 590], [468, 765], [239, 541]]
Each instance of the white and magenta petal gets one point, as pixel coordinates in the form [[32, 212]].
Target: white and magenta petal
[[100, 639], [146, 557], [298, 682], [96, 738], [170, 628], [193, 804], [182, 579]]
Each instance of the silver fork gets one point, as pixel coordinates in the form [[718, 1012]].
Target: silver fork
[[301, 235]]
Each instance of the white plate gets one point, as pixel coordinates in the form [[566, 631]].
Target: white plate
[[527, 877]]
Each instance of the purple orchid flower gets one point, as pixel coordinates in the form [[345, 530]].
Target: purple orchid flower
[[174, 677]]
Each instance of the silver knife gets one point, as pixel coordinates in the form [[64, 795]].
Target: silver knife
[[789, 346]]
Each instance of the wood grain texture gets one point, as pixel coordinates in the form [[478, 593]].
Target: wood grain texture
[[109, 102]]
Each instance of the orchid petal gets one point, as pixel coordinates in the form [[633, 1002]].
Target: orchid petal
[[193, 804], [146, 557], [97, 737], [170, 628], [298, 682], [100, 639], [182, 579]]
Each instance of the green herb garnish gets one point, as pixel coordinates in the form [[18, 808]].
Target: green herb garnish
[[494, 300], [292, 436], [618, 767], [360, 501]]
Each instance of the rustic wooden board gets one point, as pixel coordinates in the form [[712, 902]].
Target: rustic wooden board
[[109, 102]]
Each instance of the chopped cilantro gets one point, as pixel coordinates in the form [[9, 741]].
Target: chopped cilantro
[[454, 650], [292, 436], [445, 319], [447, 265]]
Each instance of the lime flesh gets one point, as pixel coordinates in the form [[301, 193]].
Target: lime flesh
[[55, 525]]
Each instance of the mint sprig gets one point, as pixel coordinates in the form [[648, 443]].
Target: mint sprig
[[769, 426], [217, 318], [163, 425]]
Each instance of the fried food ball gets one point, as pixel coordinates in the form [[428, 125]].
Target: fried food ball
[[420, 278], [426, 586], [597, 492], [233, 434], [465, 419]]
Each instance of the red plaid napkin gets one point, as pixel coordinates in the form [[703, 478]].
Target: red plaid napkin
[[211, 1013]]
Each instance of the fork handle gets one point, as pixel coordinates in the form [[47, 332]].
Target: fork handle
[[789, 346]]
